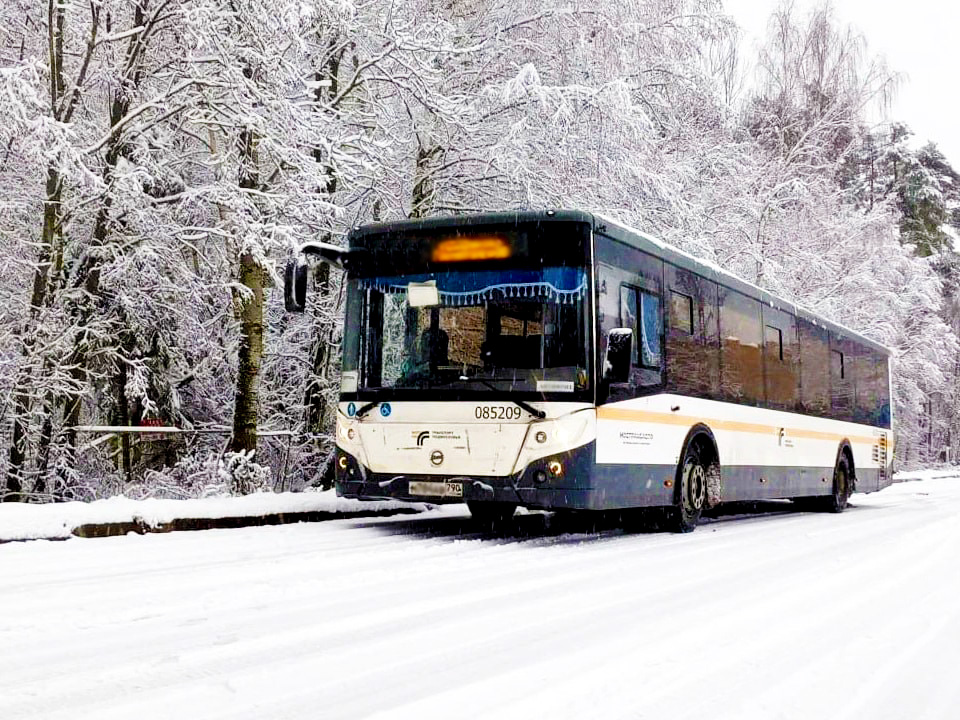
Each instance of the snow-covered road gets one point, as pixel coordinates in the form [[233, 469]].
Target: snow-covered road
[[776, 615]]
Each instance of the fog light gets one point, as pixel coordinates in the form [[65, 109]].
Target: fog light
[[342, 462], [555, 468], [541, 436], [351, 433], [540, 476]]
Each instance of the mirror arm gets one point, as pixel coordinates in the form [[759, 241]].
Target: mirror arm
[[331, 254]]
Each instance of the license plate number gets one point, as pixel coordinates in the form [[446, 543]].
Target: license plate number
[[435, 489]]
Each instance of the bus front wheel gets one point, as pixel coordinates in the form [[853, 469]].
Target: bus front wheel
[[691, 492]]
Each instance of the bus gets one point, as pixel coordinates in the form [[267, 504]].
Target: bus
[[559, 360]]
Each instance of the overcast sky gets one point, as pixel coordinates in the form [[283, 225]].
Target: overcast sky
[[918, 40]]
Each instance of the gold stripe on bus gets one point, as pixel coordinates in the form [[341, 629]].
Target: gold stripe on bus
[[614, 413]]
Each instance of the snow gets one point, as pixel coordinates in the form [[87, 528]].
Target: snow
[[22, 521], [776, 614]]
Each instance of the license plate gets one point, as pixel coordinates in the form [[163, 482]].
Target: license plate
[[435, 489]]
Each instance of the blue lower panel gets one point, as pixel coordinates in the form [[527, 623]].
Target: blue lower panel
[[586, 485], [746, 482], [582, 485]]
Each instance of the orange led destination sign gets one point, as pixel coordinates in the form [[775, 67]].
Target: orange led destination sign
[[488, 247]]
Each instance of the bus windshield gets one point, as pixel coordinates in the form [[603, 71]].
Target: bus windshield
[[517, 330]]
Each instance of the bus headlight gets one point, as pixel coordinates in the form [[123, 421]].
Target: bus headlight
[[555, 467]]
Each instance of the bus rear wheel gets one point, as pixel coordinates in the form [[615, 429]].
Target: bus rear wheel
[[836, 501], [691, 493], [492, 513]]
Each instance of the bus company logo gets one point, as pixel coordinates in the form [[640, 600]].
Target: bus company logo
[[351, 410], [422, 437], [436, 457]]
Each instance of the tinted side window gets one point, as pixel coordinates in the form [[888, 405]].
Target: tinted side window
[[882, 369], [741, 340], [814, 368], [692, 341], [841, 380], [681, 313], [640, 311], [781, 358], [871, 388], [864, 385], [622, 274], [650, 330]]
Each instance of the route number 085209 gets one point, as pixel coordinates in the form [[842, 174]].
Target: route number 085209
[[497, 412]]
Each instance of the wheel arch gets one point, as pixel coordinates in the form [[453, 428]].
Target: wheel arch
[[701, 435], [704, 437]]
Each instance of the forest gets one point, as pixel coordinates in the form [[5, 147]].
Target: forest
[[161, 159]]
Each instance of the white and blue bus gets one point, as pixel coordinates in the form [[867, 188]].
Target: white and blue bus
[[559, 360]]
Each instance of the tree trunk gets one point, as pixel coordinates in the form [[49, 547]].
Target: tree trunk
[[246, 402], [315, 401], [51, 254], [423, 190]]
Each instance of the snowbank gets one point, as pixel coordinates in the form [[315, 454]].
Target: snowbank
[[55, 521], [911, 475]]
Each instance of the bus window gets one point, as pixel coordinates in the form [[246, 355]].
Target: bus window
[[841, 382], [650, 330], [629, 291], [640, 311], [681, 313], [773, 343], [741, 363], [692, 351], [780, 359], [883, 390], [869, 386], [814, 369], [628, 316]]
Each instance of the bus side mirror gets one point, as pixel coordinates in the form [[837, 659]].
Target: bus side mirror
[[295, 273], [616, 364], [295, 285]]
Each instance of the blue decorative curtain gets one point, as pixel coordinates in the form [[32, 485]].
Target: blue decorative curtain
[[553, 284]]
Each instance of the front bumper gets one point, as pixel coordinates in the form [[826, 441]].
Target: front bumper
[[582, 484]]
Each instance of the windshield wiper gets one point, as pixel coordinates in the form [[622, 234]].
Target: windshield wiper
[[523, 405], [366, 408]]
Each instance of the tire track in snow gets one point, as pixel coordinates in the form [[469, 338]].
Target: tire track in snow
[[462, 608]]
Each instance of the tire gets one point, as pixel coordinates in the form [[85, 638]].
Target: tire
[[492, 514], [691, 493], [836, 501]]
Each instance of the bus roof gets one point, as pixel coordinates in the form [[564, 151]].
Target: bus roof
[[629, 236]]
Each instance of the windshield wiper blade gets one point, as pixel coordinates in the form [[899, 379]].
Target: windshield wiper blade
[[364, 409], [522, 404]]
